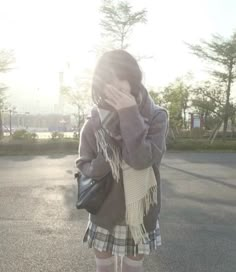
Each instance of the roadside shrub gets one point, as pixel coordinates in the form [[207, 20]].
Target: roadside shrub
[[76, 135], [201, 145], [57, 135], [23, 134], [33, 136], [70, 146], [184, 133], [41, 147], [197, 132]]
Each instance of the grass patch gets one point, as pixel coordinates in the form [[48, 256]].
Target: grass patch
[[39, 147], [69, 146], [202, 145]]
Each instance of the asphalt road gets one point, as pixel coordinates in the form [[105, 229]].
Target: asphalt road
[[40, 229]]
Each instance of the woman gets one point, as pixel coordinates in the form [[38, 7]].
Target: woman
[[125, 135]]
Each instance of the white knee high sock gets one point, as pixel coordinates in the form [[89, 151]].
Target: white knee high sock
[[105, 265], [129, 265]]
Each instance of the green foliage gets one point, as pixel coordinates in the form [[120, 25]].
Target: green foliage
[[6, 59], [208, 101], [56, 135], [184, 133], [75, 135], [157, 98], [41, 147], [119, 20], [2, 95], [24, 135], [197, 133], [33, 136], [176, 100], [221, 53], [63, 146], [202, 145], [79, 98]]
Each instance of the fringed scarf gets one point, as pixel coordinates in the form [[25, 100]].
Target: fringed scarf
[[140, 186]]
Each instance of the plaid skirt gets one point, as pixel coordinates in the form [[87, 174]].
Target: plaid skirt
[[119, 242]]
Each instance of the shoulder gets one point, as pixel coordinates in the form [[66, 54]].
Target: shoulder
[[87, 127], [160, 120], [160, 114], [152, 111], [91, 123]]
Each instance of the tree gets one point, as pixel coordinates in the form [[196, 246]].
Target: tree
[[176, 100], [118, 21], [2, 100], [157, 97], [221, 53], [6, 59], [208, 100], [79, 98]]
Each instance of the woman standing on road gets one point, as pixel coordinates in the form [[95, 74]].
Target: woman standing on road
[[126, 134]]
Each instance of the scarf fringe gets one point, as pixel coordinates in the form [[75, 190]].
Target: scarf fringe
[[113, 157], [138, 233], [136, 211]]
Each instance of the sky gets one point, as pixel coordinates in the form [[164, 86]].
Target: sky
[[46, 35]]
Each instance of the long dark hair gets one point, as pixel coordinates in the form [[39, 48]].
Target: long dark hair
[[123, 65]]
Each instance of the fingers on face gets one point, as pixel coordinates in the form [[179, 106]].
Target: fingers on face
[[112, 92], [111, 102]]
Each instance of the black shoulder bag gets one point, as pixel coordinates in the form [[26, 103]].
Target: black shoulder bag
[[91, 192]]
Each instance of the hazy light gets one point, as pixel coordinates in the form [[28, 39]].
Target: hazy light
[[48, 34]]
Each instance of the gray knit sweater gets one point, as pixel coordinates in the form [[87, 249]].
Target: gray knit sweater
[[143, 131]]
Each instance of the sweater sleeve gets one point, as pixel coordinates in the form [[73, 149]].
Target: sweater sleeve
[[89, 162], [142, 145]]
